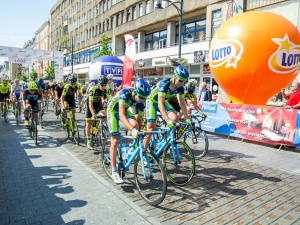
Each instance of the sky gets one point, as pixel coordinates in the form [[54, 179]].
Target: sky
[[20, 19]]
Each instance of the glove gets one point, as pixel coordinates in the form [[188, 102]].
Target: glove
[[134, 133], [169, 123], [188, 121], [95, 116], [204, 116]]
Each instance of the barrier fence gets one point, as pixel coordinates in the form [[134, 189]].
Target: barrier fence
[[266, 124]]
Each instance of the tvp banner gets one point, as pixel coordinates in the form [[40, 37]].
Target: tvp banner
[[265, 124]]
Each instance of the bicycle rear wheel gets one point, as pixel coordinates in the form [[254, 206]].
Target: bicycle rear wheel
[[182, 170], [151, 184], [103, 136], [35, 133], [199, 142]]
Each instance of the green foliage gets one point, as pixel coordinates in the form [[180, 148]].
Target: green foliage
[[23, 78], [182, 61], [104, 47], [33, 75], [50, 73]]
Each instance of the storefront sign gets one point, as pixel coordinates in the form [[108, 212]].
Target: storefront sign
[[162, 61], [200, 56]]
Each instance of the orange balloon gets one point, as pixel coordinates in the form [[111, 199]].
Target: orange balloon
[[253, 55]]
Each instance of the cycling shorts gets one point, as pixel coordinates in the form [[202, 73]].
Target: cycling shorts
[[16, 95], [88, 114], [152, 108], [71, 103], [113, 121], [33, 104], [3, 96]]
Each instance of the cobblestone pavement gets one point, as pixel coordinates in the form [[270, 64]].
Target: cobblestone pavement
[[236, 183]]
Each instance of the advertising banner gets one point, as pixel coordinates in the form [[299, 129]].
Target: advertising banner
[[129, 60], [265, 124]]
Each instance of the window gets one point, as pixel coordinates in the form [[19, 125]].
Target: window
[[156, 40], [147, 7], [117, 20], [128, 15], [134, 13], [141, 9], [216, 21]]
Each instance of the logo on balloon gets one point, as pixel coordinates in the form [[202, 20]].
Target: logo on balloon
[[225, 51], [286, 59]]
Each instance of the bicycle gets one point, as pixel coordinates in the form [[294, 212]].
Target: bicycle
[[177, 157], [5, 110], [197, 135], [17, 112], [70, 125], [99, 132], [149, 174], [46, 104], [58, 111], [32, 128], [84, 104]]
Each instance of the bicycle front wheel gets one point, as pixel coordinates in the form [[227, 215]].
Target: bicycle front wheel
[[150, 178], [75, 133], [17, 116], [105, 157], [198, 143], [179, 165], [104, 136]]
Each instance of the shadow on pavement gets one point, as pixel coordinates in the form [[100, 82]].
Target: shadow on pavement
[[29, 193]]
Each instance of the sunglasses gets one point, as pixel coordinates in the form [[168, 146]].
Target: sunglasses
[[181, 81], [103, 85], [141, 98], [73, 83]]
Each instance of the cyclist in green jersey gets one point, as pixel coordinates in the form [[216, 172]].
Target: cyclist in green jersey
[[4, 94], [94, 106]]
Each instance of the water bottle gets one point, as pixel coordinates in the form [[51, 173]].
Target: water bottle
[[129, 154], [123, 152]]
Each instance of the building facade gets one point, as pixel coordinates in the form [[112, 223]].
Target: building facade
[[42, 36], [156, 31]]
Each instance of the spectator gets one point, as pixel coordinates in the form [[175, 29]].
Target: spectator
[[293, 98], [205, 94]]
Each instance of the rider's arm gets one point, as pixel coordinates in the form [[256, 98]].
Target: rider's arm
[[79, 92], [195, 104], [139, 119], [62, 99], [182, 103], [41, 99], [123, 118]]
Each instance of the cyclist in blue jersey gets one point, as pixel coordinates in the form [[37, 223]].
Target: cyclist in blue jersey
[[157, 100], [118, 109]]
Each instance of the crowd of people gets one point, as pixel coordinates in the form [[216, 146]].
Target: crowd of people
[[168, 96]]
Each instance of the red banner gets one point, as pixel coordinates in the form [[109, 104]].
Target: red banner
[[129, 59]]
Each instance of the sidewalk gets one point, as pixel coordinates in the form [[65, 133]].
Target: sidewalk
[[49, 185]]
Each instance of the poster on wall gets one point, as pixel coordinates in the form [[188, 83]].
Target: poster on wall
[[265, 124]]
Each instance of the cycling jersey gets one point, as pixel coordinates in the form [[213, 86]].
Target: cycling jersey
[[126, 98], [95, 95], [53, 86], [4, 89], [162, 88], [69, 91], [59, 91], [16, 90]]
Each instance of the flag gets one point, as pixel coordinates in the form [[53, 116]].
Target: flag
[[129, 59]]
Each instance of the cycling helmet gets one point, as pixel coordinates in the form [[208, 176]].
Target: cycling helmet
[[181, 73], [16, 80], [103, 80], [190, 88], [142, 88], [193, 81], [92, 84], [40, 81], [110, 76], [72, 78], [32, 86], [86, 83]]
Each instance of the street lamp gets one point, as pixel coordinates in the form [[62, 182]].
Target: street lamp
[[180, 11], [71, 50]]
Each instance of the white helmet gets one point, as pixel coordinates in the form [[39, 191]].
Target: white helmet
[[86, 83], [193, 81], [110, 76], [92, 84]]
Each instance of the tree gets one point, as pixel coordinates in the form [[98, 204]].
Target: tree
[[104, 47], [50, 73], [23, 78], [33, 75]]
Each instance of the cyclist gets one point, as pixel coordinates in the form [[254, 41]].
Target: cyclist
[[4, 94], [16, 94], [189, 95], [58, 92], [31, 97], [110, 86], [94, 105], [118, 109], [68, 95], [53, 86], [163, 91], [84, 88]]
